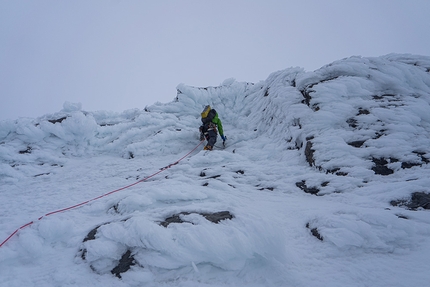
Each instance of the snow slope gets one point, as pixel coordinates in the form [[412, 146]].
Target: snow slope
[[316, 174]]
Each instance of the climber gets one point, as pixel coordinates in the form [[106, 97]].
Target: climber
[[210, 127]]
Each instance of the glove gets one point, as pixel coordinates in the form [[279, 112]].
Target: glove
[[223, 138]]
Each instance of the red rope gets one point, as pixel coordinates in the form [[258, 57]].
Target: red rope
[[98, 197]]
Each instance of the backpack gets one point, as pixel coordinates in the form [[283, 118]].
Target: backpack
[[210, 116]]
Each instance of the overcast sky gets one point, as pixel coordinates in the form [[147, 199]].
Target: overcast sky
[[116, 55]]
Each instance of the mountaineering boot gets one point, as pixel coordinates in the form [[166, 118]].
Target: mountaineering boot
[[207, 147]]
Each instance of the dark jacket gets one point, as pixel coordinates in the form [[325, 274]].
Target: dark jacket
[[212, 117]]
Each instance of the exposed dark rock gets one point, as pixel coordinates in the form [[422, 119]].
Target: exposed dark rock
[[215, 217], [106, 125], [92, 234], [203, 174], [315, 232], [423, 158], [363, 112], [240, 171], [309, 153], [340, 173], [268, 188], [40, 174], [126, 261], [214, 176], [379, 134], [352, 122], [357, 144], [173, 219], [296, 123], [389, 97], [28, 150], [380, 166], [307, 97], [417, 200], [302, 185], [382, 170], [308, 89], [409, 164], [115, 208], [57, 120]]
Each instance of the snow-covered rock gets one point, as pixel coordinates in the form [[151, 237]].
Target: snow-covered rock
[[324, 180]]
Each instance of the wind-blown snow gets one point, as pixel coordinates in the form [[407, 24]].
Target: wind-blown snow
[[329, 130]]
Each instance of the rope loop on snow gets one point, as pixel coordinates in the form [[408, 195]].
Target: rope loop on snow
[[98, 197]]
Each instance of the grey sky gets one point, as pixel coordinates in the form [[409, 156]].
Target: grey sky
[[115, 55]]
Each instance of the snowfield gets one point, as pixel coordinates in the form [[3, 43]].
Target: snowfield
[[324, 181]]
